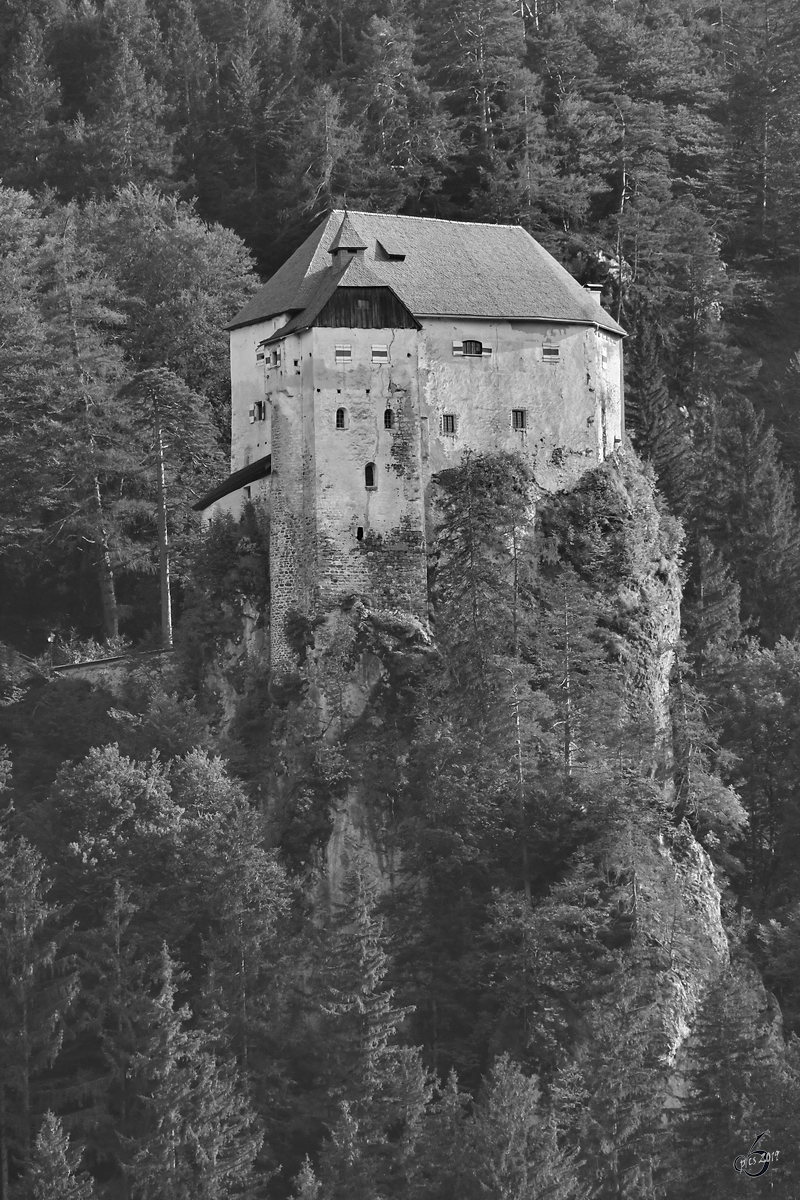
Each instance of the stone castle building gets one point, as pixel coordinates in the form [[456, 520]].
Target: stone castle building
[[380, 351]]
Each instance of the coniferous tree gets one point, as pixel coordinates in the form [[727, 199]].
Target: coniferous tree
[[747, 502], [28, 112], [125, 141], [167, 1115], [55, 1166], [659, 426], [379, 1088], [36, 989]]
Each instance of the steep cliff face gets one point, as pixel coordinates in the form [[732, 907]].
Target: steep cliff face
[[336, 741]]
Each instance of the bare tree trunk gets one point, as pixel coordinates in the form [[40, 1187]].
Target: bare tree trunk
[[163, 532], [526, 874], [3, 1146], [108, 593], [567, 693]]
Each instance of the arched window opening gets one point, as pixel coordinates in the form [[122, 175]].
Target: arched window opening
[[341, 418], [360, 533], [473, 348], [388, 419], [369, 475]]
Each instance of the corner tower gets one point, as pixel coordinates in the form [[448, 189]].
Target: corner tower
[[381, 350]]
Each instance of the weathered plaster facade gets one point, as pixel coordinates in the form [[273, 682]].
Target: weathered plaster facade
[[358, 420]]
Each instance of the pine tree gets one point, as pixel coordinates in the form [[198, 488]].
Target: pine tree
[[126, 141], [200, 1138], [36, 989], [27, 113], [167, 1115], [515, 1151], [480, 582], [747, 508], [659, 426], [710, 609], [379, 1088], [91, 444], [54, 1171], [739, 1082]]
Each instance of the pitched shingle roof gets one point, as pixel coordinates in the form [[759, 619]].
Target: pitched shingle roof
[[451, 268]]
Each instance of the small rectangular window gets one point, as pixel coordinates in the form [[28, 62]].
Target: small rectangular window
[[519, 418], [604, 357], [448, 423], [551, 353], [380, 354], [251, 413], [343, 353], [458, 349], [259, 356], [275, 356]]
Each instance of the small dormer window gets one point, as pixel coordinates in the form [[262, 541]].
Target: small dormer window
[[369, 476], [388, 419], [344, 353]]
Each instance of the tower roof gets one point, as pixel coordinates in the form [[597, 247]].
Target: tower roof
[[436, 268], [347, 237]]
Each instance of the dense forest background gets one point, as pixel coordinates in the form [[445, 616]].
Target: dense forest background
[[179, 1015]]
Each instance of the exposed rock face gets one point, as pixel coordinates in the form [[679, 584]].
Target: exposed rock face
[[346, 677]]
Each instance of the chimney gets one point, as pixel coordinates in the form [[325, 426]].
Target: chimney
[[595, 291]]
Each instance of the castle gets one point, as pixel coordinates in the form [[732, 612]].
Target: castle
[[380, 351]]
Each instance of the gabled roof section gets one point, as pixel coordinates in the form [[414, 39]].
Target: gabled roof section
[[347, 238], [450, 269], [352, 273]]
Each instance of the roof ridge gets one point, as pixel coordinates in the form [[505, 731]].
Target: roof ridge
[[363, 212]]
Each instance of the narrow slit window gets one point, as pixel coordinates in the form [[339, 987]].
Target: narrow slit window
[[341, 418], [388, 419], [369, 475], [472, 349], [604, 357], [551, 353], [519, 418], [344, 353], [380, 354], [360, 533], [449, 423]]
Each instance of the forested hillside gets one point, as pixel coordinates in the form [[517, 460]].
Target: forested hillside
[[508, 906]]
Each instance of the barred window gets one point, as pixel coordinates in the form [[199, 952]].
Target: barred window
[[449, 423], [519, 418]]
